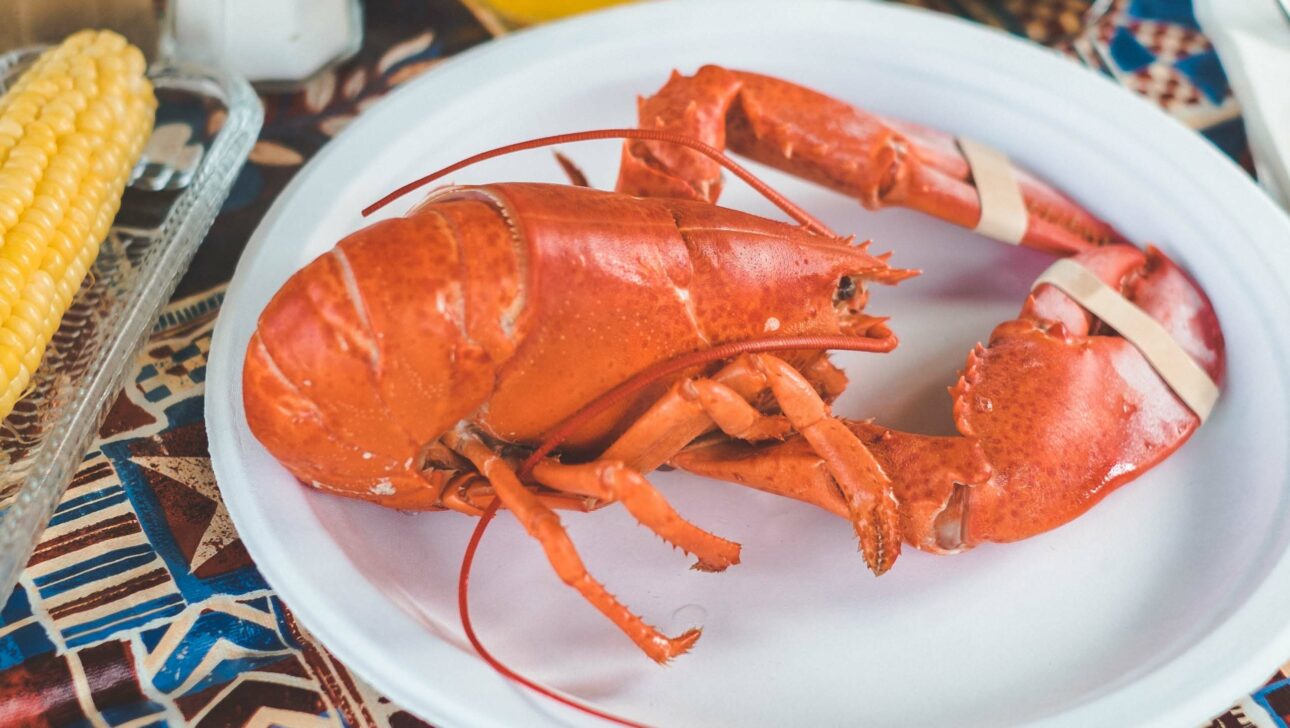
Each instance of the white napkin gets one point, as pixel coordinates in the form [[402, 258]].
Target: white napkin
[[1252, 38]]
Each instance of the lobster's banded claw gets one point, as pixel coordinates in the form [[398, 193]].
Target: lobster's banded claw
[[877, 160], [1054, 414]]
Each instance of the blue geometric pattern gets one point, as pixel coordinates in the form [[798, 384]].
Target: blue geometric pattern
[[122, 714], [1129, 54], [1176, 12], [81, 506], [129, 618], [1207, 73], [24, 637], [1156, 49], [247, 645], [1264, 698], [152, 516]]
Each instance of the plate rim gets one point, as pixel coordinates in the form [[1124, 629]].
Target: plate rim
[[316, 614]]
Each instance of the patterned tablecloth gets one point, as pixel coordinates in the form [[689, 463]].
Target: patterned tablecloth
[[141, 606]]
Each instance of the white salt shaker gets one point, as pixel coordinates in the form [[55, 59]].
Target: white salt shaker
[[265, 41]]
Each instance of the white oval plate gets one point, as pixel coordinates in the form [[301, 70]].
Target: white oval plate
[[1162, 605]]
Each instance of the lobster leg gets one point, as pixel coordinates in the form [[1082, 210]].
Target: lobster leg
[[932, 477], [544, 525], [732, 413], [865, 487], [694, 406], [473, 494], [612, 480], [687, 412], [455, 495]]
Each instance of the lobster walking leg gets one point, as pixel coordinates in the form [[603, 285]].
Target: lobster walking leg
[[455, 495], [865, 487], [612, 480], [692, 407], [544, 525], [475, 494], [732, 413], [679, 417]]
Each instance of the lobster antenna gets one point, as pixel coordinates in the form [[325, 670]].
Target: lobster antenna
[[791, 209], [463, 607]]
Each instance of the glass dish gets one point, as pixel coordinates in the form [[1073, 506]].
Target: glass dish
[[154, 236]]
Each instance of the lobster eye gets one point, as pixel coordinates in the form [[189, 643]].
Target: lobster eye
[[846, 289]]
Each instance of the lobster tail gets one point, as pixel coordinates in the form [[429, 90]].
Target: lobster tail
[[375, 349]]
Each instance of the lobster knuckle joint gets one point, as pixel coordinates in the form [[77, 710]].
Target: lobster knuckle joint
[[608, 471]]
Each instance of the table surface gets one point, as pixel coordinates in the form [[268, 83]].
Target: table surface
[[141, 606]]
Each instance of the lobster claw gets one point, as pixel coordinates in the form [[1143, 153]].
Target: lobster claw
[[877, 160], [1054, 414]]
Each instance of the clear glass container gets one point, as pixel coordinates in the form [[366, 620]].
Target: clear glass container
[[151, 243]]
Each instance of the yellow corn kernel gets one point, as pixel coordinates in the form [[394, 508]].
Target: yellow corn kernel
[[9, 363], [71, 129]]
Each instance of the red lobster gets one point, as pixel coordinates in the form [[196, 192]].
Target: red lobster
[[423, 358]]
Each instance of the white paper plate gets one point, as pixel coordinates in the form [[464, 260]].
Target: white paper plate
[[1162, 605]]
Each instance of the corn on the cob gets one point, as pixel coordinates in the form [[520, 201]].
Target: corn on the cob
[[71, 129]]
